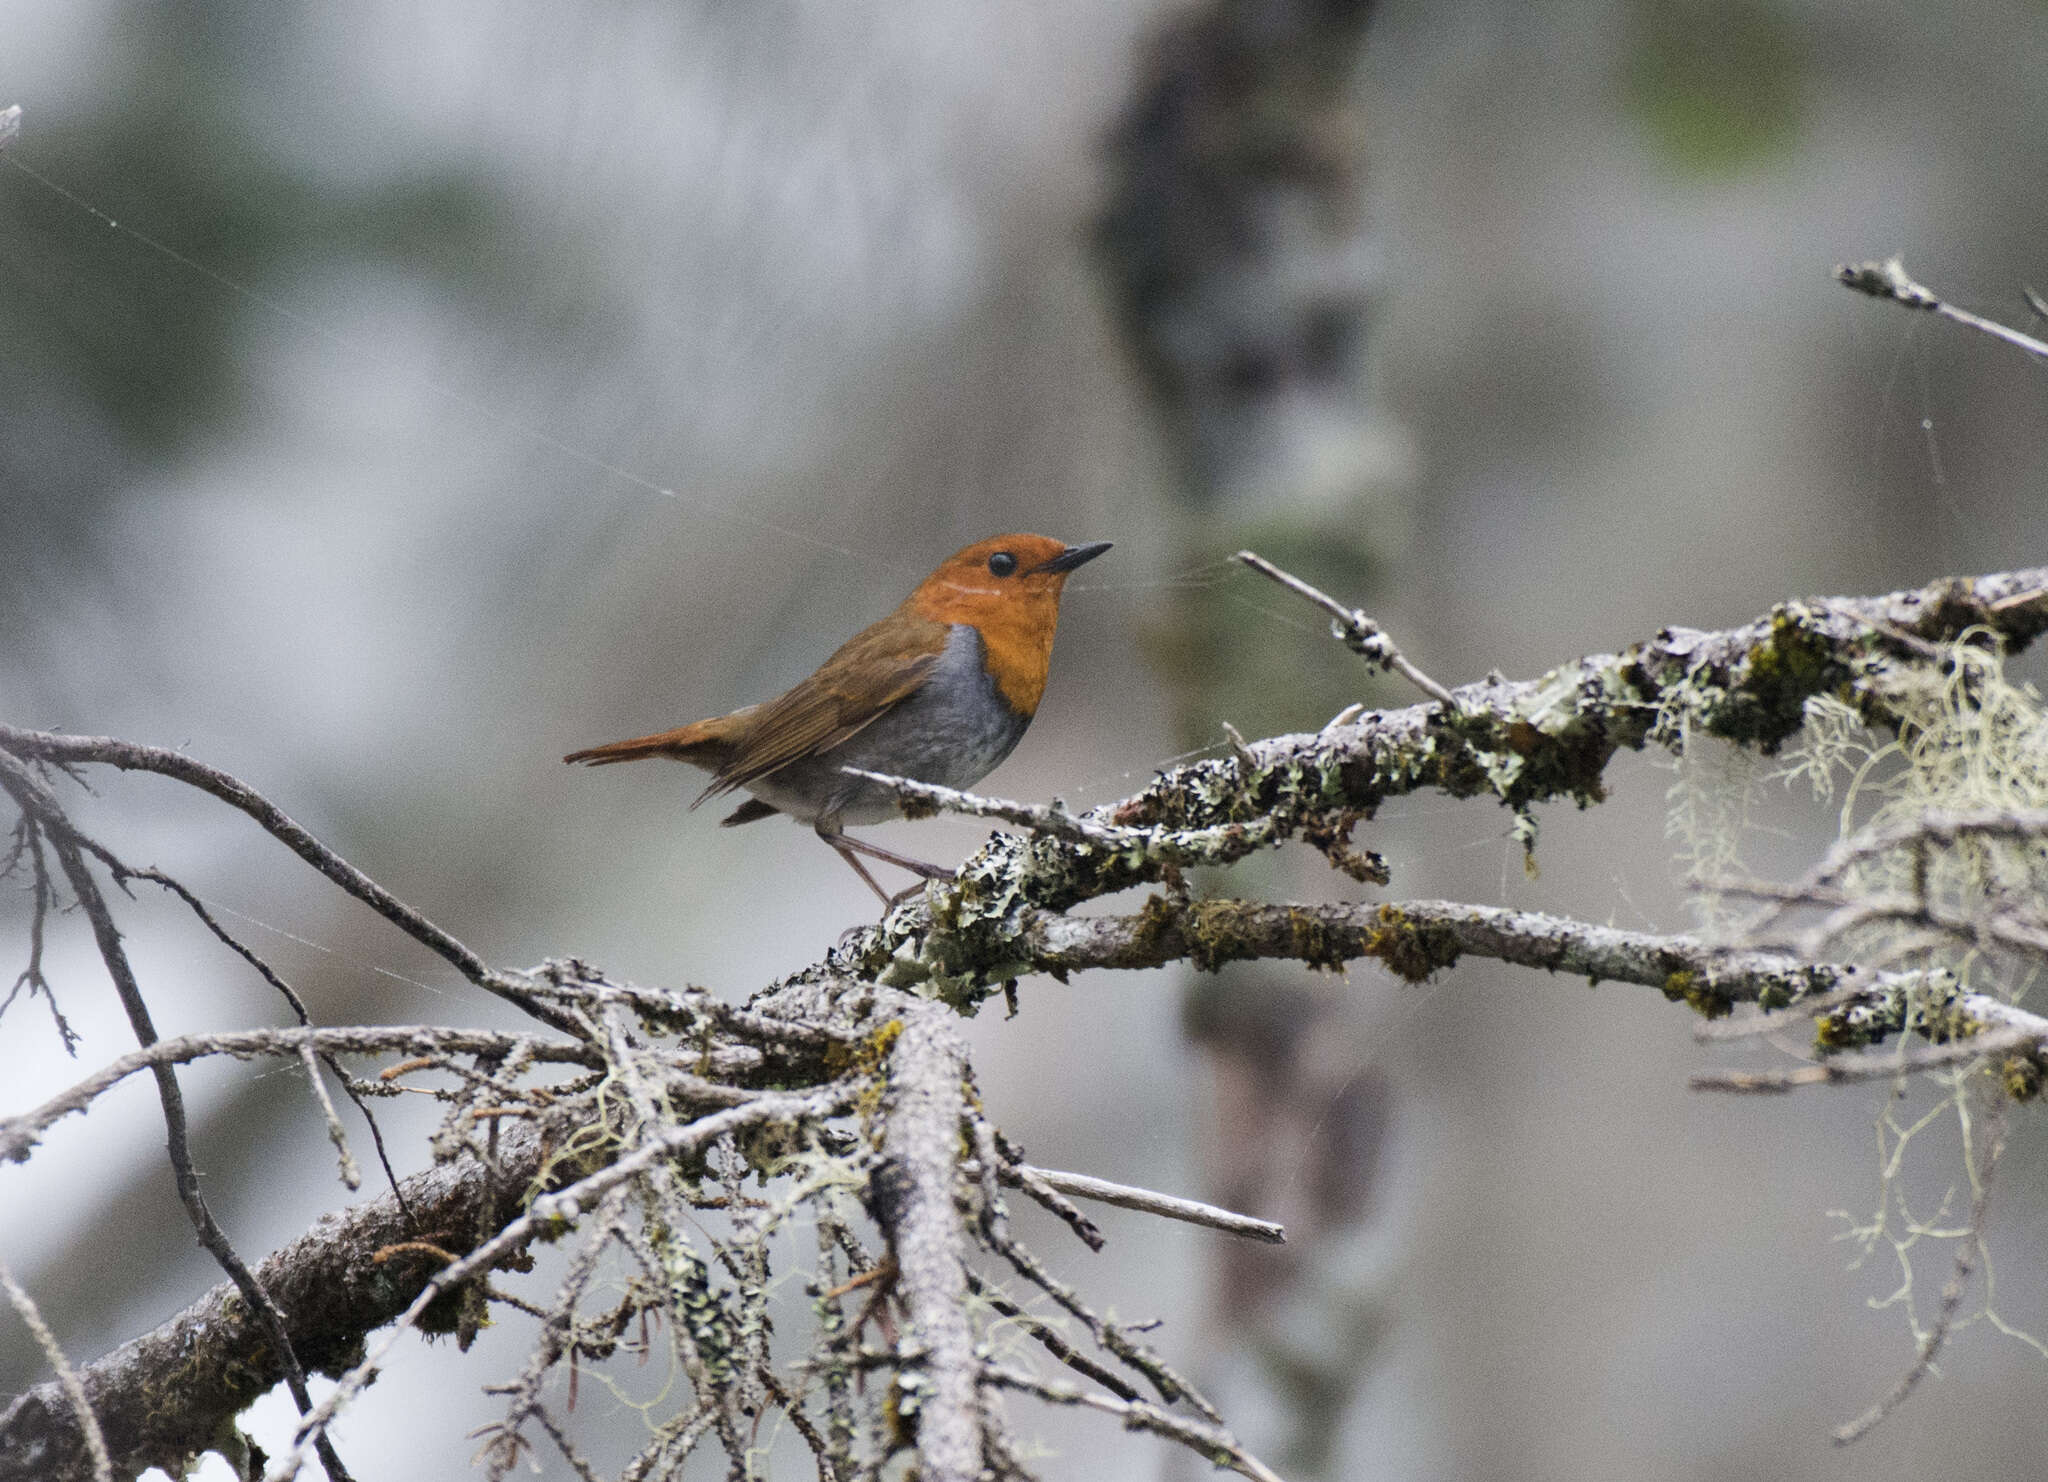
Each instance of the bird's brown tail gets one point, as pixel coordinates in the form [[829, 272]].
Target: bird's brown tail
[[707, 744]]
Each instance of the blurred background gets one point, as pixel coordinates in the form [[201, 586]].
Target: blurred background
[[395, 397]]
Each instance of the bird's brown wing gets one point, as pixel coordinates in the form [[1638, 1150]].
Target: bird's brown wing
[[871, 673]]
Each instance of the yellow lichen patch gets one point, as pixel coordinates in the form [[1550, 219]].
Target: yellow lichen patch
[[1688, 987], [863, 1055], [2022, 1076], [1411, 950]]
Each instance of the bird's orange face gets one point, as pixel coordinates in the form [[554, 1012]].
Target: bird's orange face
[[1008, 587]]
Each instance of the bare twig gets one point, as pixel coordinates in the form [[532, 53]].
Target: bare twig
[[1049, 1338], [1047, 820], [19, 1133], [349, 1175], [1164, 1379], [1889, 280], [1208, 1439], [1185, 847], [1169, 1206], [42, 899], [128, 756], [1045, 1196], [1360, 633], [1144, 1201], [10, 124], [53, 1354]]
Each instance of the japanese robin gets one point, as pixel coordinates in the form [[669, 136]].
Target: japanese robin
[[940, 690]]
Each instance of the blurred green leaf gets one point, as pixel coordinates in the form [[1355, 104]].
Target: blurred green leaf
[[1717, 83]]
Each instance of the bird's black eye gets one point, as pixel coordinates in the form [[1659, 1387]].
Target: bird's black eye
[[1002, 563]]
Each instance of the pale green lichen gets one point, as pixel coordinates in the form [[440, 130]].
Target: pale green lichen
[[1956, 739]]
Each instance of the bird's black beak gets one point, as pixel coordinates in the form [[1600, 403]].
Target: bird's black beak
[[1068, 559]]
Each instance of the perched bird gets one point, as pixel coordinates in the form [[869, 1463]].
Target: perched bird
[[940, 690]]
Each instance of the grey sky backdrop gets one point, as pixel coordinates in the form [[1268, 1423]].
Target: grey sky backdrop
[[509, 377]]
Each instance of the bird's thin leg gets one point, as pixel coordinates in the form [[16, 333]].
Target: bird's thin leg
[[889, 856], [860, 869], [846, 846]]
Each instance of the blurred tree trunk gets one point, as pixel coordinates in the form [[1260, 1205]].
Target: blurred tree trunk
[[1237, 247]]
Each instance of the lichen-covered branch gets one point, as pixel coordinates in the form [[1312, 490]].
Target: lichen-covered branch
[[1415, 939], [913, 1192], [165, 1397], [652, 1107], [1522, 742]]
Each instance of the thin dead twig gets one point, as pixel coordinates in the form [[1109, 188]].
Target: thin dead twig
[[1889, 280], [1168, 1206], [1144, 1201], [1165, 1381], [1049, 1338], [1211, 1440], [129, 756], [349, 1174], [1057, 821], [43, 898], [53, 1354], [1359, 633], [19, 1133]]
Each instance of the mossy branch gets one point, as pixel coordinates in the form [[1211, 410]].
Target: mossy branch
[[1521, 742]]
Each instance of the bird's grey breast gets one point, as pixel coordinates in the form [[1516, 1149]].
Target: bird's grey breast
[[952, 730]]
